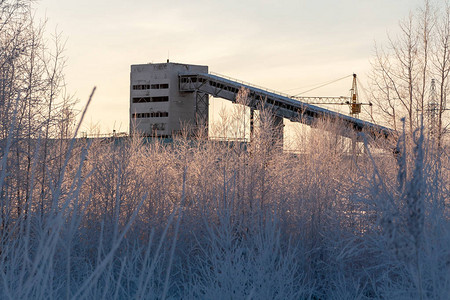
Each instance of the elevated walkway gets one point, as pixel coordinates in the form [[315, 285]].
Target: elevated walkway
[[280, 104]]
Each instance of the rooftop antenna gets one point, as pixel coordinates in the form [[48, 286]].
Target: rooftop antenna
[[168, 56]]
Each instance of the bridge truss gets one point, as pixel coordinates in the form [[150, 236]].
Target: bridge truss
[[281, 105]]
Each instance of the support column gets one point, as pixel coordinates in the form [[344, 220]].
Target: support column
[[201, 113], [252, 123], [278, 130]]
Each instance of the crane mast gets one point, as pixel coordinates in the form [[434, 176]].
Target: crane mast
[[352, 101], [355, 108]]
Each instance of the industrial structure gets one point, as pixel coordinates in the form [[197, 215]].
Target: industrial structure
[[157, 107], [166, 97]]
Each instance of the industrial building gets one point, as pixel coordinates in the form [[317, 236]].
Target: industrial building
[[157, 107], [168, 97]]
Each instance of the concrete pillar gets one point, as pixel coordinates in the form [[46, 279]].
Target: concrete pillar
[[278, 130], [252, 123]]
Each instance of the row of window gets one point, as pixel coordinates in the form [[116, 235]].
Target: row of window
[[224, 87], [158, 114], [211, 83], [279, 104], [150, 99], [192, 79], [150, 86]]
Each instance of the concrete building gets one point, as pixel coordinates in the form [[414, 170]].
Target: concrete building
[[157, 107]]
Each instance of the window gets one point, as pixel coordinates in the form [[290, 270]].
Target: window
[[150, 99], [141, 100], [141, 87], [155, 86], [158, 126], [160, 99], [159, 86], [158, 114]]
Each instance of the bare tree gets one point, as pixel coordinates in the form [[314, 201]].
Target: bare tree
[[403, 69], [441, 67], [32, 84]]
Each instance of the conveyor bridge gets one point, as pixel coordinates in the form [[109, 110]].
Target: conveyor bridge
[[280, 104]]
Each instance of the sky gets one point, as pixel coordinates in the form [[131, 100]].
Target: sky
[[288, 46]]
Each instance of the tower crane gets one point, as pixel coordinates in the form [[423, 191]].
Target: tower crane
[[352, 101]]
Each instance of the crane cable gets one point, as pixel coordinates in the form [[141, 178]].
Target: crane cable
[[322, 85]]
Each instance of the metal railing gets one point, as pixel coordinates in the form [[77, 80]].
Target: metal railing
[[252, 85], [86, 135]]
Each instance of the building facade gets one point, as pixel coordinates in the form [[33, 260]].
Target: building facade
[[157, 107]]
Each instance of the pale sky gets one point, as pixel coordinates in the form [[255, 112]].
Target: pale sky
[[282, 45]]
